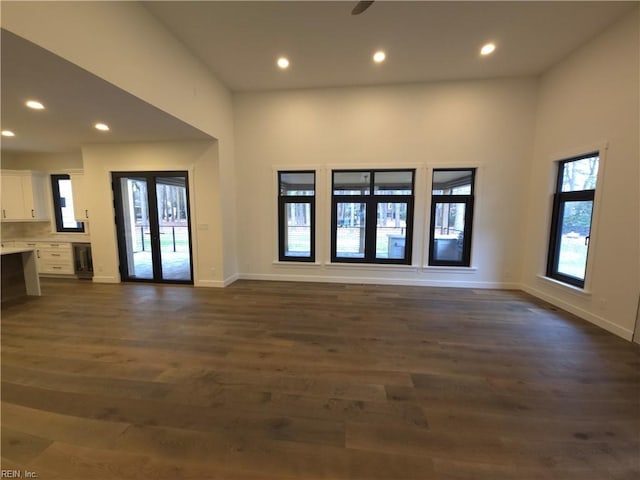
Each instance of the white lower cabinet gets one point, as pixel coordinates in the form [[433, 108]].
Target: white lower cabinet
[[56, 258], [32, 245], [51, 258]]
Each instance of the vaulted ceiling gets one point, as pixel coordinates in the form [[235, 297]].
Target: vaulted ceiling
[[424, 41], [326, 45]]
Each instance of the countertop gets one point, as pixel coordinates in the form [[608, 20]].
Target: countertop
[[10, 250], [52, 239]]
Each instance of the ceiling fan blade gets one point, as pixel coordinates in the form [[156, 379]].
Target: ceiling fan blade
[[360, 7]]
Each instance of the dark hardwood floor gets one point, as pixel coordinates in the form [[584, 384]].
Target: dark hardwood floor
[[267, 380]]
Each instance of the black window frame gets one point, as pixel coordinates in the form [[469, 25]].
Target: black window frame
[[468, 200], [283, 201], [57, 206], [371, 200], [560, 198]]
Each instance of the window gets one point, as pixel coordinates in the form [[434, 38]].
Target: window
[[451, 217], [571, 219], [372, 216], [296, 216], [63, 205]]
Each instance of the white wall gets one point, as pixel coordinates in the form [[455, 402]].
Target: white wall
[[589, 100], [43, 162], [488, 124], [199, 159], [124, 44]]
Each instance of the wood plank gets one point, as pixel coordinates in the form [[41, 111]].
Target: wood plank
[[58, 427], [21, 447], [314, 381]]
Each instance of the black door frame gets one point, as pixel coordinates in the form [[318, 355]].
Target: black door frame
[[154, 224]]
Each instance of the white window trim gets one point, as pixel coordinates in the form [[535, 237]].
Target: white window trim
[[479, 176], [602, 148], [449, 269], [274, 210], [565, 286], [418, 188], [371, 266]]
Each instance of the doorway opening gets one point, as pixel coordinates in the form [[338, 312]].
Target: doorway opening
[[153, 226]]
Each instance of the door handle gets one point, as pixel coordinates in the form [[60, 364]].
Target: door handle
[[587, 239], [86, 214], [33, 213]]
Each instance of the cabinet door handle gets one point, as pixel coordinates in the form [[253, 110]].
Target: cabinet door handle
[[55, 254], [38, 253], [33, 213], [57, 268], [86, 214], [4, 213]]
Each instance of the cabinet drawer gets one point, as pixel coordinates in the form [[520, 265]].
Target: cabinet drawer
[[58, 268], [55, 251], [56, 256], [33, 245], [56, 247]]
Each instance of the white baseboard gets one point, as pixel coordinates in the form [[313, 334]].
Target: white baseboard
[[216, 283], [209, 283], [378, 281], [579, 312], [105, 279], [233, 278]]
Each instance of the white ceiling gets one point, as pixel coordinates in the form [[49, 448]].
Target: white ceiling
[[75, 100], [424, 41], [327, 46]]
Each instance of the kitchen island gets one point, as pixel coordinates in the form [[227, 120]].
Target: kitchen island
[[19, 273]]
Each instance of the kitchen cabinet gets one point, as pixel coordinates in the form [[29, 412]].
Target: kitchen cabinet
[[12, 202], [32, 245], [80, 207], [55, 258], [24, 196], [51, 257]]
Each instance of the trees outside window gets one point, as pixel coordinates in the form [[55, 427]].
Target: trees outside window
[[571, 219], [372, 216], [296, 216], [452, 195]]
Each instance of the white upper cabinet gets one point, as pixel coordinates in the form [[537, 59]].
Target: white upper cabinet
[[24, 196], [80, 207], [12, 202]]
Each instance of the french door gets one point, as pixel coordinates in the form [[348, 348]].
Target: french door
[[153, 226]]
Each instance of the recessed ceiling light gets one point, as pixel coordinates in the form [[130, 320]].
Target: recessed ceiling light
[[102, 127], [8, 133], [487, 49], [34, 104], [283, 63], [379, 56]]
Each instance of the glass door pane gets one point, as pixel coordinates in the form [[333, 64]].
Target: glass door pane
[[574, 240], [173, 228], [448, 234], [297, 234], [136, 227], [152, 216], [350, 229], [391, 230]]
